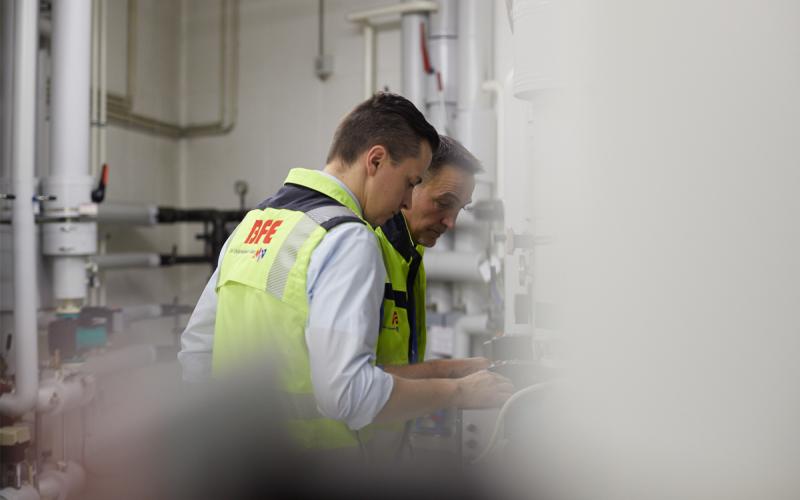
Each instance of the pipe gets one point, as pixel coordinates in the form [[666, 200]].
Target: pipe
[[25, 341], [494, 439], [7, 97], [367, 19], [442, 92], [120, 108], [70, 96], [69, 179], [369, 61], [454, 266], [27, 492], [62, 483], [123, 213], [413, 30], [367, 16], [476, 118], [126, 260], [61, 394], [465, 327]]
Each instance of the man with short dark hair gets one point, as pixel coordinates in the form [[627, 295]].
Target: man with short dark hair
[[302, 279]]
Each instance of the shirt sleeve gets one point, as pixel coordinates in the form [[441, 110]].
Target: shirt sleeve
[[345, 284], [197, 340]]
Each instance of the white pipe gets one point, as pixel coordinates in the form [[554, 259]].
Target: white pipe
[[61, 394], [369, 60], [414, 75], [27, 492], [465, 327], [94, 104], [103, 84], [69, 179], [367, 16], [25, 341], [501, 417], [71, 89], [61, 484], [454, 266], [476, 118], [497, 88], [7, 98], [126, 260], [443, 48], [51, 484]]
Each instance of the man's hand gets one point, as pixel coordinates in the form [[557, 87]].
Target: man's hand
[[483, 389]]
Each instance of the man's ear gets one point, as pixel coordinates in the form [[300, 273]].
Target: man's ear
[[375, 157]]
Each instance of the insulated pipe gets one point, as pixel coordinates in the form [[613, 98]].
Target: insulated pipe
[[25, 342], [454, 266], [120, 213], [126, 260]]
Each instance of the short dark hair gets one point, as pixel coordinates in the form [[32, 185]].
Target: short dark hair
[[384, 119], [453, 153]]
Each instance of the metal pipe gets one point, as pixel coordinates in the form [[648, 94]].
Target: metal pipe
[[25, 341], [454, 266]]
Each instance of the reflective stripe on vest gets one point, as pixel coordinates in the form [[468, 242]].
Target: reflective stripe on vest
[[262, 305]]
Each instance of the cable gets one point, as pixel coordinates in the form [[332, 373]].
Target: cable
[[502, 415]]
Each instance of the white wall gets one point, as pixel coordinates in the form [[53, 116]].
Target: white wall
[[286, 114], [145, 168]]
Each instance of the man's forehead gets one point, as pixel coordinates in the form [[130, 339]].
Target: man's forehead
[[452, 180]]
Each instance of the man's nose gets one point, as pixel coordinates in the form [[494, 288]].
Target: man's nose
[[449, 221]]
